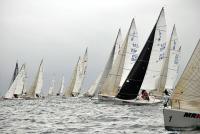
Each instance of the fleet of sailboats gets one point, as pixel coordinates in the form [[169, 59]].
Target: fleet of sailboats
[[133, 74]]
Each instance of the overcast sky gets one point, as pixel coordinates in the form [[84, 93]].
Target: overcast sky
[[59, 31]]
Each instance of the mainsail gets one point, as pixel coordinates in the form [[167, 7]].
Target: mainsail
[[186, 94], [174, 61], [109, 63], [118, 43], [38, 82], [60, 92], [68, 91], [81, 71], [157, 60], [17, 85], [132, 52]]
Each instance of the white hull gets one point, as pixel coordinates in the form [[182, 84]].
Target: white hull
[[138, 102], [175, 119]]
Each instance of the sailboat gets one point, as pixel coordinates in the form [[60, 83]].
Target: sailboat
[[16, 88], [51, 88], [94, 90], [60, 92], [68, 91], [35, 91], [81, 72], [91, 91], [183, 112], [146, 70], [122, 65], [78, 76]]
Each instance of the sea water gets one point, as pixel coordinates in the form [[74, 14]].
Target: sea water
[[79, 115]]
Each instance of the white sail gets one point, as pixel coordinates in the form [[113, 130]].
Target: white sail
[[174, 61], [51, 88], [68, 91], [92, 90], [187, 93], [38, 82], [108, 66], [21, 81], [132, 52], [60, 92], [153, 73], [81, 71], [111, 85], [18, 84]]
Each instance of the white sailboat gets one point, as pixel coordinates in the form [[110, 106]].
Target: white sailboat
[[36, 88], [80, 74], [60, 92], [91, 91], [68, 91], [96, 86], [16, 88], [51, 88], [184, 111], [122, 65]]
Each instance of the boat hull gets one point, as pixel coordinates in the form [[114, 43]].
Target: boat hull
[[180, 120], [138, 102]]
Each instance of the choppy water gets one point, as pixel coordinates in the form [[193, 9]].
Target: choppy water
[[78, 115]]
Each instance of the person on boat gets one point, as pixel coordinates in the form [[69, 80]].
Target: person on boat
[[166, 97], [145, 95]]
